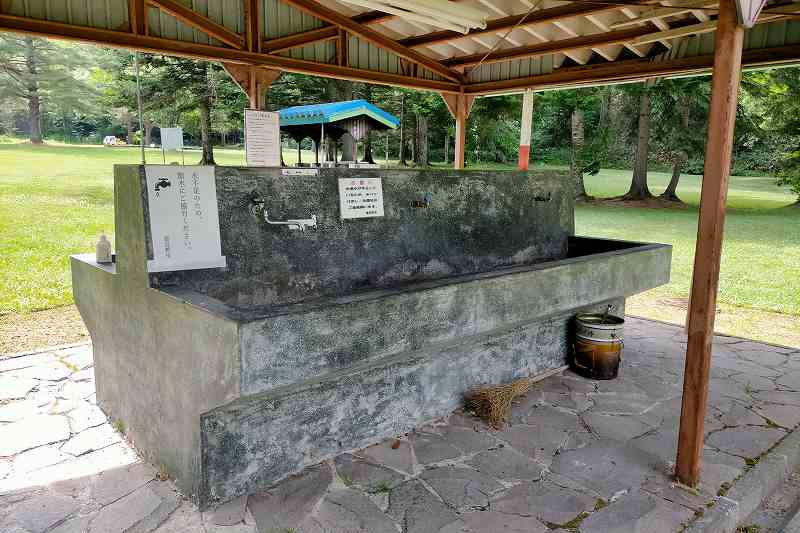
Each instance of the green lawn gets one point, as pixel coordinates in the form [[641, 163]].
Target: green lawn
[[55, 200], [761, 252]]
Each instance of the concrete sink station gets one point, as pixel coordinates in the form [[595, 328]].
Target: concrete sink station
[[319, 339]]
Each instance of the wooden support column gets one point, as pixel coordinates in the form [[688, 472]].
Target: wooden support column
[[719, 143], [525, 130], [253, 81], [460, 106]]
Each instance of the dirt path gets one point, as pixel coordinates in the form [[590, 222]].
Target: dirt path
[[54, 327]]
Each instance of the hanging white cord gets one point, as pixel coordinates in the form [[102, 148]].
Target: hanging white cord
[[533, 8]]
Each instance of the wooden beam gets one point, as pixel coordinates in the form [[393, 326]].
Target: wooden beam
[[552, 14], [694, 29], [253, 81], [728, 44], [552, 47], [252, 14], [137, 15], [314, 8], [157, 45], [460, 106], [326, 33], [679, 8], [296, 40], [629, 70], [341, 49], [198, 21]]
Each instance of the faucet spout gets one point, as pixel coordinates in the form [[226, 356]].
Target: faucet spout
[[297, 224]]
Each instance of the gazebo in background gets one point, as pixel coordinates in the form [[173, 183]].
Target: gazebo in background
[[332, 121]]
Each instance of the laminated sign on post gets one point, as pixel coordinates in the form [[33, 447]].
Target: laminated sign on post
[[262, 138], [171, 139], [184, 220], [360, 197]]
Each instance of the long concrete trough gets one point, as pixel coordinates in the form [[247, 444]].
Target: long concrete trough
[[311, 343]]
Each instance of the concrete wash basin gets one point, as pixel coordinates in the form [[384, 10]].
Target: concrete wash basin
[[313, 343]]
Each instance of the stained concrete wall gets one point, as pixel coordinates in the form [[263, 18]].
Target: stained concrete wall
[[476, 221], [229, 395], [159, 362], [305, 343]]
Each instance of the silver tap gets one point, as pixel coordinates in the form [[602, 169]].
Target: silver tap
[[301, 223], [259, 210]]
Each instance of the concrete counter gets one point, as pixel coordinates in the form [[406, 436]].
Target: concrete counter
[[308, 345]]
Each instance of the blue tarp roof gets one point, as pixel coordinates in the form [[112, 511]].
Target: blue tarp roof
[[334, 112]]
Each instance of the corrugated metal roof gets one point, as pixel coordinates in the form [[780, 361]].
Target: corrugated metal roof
[[334, 112], [278, 19]]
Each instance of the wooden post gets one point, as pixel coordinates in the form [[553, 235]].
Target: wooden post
[[460, 106], [525, 130], [719, 143]]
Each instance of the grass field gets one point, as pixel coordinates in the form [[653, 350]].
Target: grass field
[[56, 199]]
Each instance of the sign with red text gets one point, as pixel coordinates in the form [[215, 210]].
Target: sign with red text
[[184, 219], [360, 197]]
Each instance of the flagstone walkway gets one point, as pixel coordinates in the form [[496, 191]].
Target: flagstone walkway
[[578, 455]]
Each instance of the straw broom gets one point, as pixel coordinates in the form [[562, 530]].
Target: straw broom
[[492, 402]]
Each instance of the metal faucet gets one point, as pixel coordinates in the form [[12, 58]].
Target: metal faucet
[[259, 210], [301, 223]]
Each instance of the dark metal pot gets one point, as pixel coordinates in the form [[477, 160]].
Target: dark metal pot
[[597, 348]]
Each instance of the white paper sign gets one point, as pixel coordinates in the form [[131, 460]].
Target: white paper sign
[[172, 139], [300, 172], [184, 221], [262, 141], [360, 197]]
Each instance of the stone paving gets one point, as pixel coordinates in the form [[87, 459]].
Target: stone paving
[[577, 455]]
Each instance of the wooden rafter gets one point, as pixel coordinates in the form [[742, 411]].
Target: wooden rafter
[[137, 16], [552, 47], [660, 12], [326, 33], [540, 16], [146, 43], [296, 40], [341, 49], [694, 29], [314, 8], [198, 21], [628, 70], [252, 16]]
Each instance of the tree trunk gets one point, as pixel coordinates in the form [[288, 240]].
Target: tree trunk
[[421, 148], [446, 147], [205, 121], [131, 129], [34, 118], [670, 193], [605, 109], [575, 164], [402, 156], [34, 99], [639, 189], [148, 132]]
